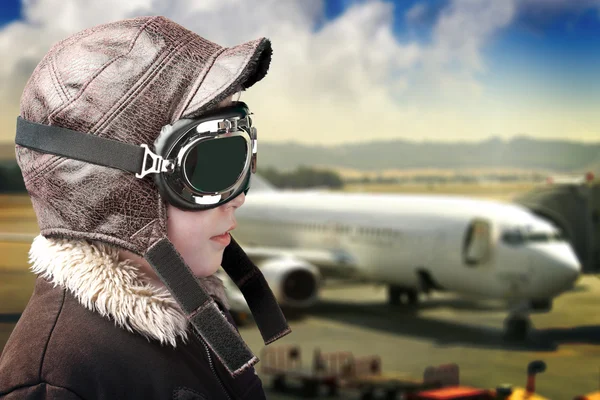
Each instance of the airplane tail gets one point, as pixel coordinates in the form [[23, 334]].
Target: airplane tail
[[260, 184]]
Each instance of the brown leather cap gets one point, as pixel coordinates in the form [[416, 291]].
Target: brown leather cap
[[124, 81]]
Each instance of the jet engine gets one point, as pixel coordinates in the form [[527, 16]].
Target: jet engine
[[295, 283]]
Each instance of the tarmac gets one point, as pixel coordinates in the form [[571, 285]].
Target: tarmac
[[450, 329], [444, 329]]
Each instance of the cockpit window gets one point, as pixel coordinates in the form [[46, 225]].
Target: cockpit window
[[517, 237], [513, 237], [538, 237]]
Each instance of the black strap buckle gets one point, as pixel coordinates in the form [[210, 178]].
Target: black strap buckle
[[158, 164]]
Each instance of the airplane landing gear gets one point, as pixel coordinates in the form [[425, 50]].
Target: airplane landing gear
[[517, 328], [398, 295], [518, 324]]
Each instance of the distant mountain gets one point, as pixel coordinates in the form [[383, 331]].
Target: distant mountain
[[520, 152]]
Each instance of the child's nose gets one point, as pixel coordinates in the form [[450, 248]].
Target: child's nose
[[238, 201]]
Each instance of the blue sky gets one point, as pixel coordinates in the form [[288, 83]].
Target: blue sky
[[554, 51], [11, 10], [536, 72]]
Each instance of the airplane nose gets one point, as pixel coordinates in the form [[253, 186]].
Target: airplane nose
[[569, 271], [562, 268]]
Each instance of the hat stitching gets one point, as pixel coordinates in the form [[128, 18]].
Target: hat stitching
[[157, 231], [198, 82], [51, 163], [65, 233], [141, 84], [236, 74], [56, 81], [161, 226], [242, 65], [100, 70], [144, 228]]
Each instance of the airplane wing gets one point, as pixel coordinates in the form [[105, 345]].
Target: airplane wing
[[319, 258]]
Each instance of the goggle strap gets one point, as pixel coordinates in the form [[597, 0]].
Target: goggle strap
[[199, 308], [80, 146]]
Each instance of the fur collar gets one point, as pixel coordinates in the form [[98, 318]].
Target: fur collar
[[114, 288]]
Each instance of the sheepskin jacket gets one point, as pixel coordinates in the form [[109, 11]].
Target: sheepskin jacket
[[95, 328]]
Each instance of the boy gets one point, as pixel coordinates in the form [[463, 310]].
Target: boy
[[135, 159]]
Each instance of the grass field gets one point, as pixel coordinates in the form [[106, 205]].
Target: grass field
[[17, 215], [16, 281]]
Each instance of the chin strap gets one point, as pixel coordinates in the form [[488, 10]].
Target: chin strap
[[204, 314], [266, 311]]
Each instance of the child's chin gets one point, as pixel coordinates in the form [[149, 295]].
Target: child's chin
[[206, 269]]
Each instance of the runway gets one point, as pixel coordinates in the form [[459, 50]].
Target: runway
[[452, 329], [445, 329]]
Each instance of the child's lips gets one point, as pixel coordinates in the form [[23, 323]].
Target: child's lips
[[223, 239]]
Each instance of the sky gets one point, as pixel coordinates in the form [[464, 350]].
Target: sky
[[347, 71]]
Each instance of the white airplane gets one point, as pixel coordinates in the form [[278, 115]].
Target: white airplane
[[411, 243]]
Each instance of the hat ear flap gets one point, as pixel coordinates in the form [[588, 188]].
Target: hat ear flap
[[204, 314], [199, 308]]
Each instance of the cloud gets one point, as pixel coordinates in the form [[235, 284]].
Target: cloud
[[465, 27], [349, 79], [348, 63], [451, 65]]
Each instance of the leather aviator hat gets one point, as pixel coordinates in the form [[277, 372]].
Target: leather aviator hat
[[91, 114]]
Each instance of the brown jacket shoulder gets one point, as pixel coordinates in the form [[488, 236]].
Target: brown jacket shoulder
[[65, 347]]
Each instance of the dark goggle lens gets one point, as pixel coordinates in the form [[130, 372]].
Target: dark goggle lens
[[216, 164]]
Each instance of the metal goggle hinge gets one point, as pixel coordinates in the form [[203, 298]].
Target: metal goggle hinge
[[234, 124], [158, 164]]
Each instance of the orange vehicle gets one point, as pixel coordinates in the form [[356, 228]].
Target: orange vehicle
[[589, 396], [453, 393], [528, 393], [500, 393]]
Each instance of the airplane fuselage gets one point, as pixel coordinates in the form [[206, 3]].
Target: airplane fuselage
[[412, 240]]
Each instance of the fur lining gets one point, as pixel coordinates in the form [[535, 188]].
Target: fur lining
[[114, 288]]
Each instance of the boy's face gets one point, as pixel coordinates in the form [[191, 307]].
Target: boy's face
[[195, 234]]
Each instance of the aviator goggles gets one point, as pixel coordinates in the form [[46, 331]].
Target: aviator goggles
[[196, 164]]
